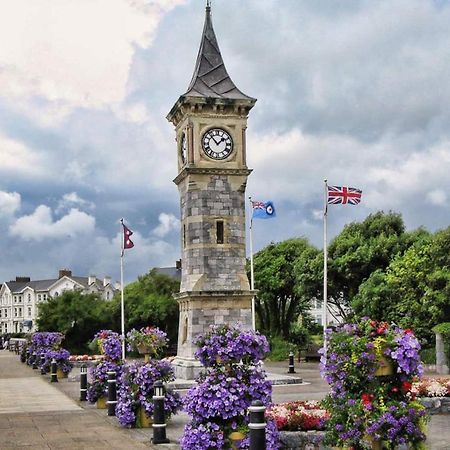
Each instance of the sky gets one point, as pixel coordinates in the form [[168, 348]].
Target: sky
[[356, 92]]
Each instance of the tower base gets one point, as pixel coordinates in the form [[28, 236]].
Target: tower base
[[198, 311]]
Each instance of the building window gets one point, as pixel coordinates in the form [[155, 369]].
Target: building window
[[29, 297], [15, 312], [107, 295], [20, 299], [20, 312], [45, 296], [184, 236], [219, 231], [39, 297], [29, 312]]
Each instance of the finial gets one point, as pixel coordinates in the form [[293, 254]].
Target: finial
[[208, 3]]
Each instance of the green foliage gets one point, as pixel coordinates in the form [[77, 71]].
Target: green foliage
[[279, 349], [149, 301], [413, 291], [428, 355], [76, 315], [443, 328], [361, 249], [299, 335], [286, 279]]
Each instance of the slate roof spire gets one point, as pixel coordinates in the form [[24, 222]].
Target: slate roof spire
[[211, 79]]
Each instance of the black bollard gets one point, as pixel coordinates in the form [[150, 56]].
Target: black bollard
[[112, 393], [291, 362], [83, 383], [35, 360], [54, 377], [257, 426], [159, 416], [43, 371]]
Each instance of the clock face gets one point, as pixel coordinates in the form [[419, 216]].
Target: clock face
[[217, 143], [183, 148]]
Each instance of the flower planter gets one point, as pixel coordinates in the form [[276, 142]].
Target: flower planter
[[142, 419], [60, 373], [235, 438], [101, 402], [384, 368]]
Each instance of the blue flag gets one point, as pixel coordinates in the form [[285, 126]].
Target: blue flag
[[263, 210]]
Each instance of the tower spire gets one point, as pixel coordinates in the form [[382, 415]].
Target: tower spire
[[210, 78]]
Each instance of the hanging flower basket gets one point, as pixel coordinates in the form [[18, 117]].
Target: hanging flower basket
[[149, 341], [384, 368]]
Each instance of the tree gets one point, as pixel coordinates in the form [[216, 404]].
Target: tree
[[285, 282], [79, 316], [361, 249], [149, 301], [414, 290]]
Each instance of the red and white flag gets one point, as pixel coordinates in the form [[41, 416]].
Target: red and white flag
[[127, 242], [343, 195]]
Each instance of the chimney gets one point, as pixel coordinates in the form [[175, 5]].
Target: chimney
[[91, 279], [23, 279], [64, 273], [178, 264], [106, 281]]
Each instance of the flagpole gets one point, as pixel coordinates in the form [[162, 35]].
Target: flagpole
[[252, 275], [325, 267], [122, 306]]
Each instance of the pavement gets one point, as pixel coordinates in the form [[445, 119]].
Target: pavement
[[37, 414]]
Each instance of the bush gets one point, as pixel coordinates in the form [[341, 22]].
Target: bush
[[279, 349], [428, 355]]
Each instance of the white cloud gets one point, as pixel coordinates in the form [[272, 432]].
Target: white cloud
[[167, 223], [73, 199], [9, 203], [17, 158], [40, 225], [74, 52], [437, 197]]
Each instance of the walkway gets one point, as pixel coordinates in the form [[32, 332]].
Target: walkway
[[36, 414]]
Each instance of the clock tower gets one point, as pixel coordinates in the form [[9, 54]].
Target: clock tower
[[210, 122]]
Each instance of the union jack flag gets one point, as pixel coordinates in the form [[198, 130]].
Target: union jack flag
[[343, 195]]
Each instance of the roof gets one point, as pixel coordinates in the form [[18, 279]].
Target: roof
[[210, 78], [44, 285]]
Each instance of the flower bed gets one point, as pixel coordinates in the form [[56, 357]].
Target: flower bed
[[298, 416], [78, 358], [431, 387]]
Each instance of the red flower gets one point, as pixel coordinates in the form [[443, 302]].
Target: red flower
[[406, 386], [394, 389], [408, 331], [367, 399]]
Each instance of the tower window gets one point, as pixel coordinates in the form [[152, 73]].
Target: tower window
[[219, 231], [184, 236]]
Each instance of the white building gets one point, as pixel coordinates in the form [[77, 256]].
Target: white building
[[19, 299]]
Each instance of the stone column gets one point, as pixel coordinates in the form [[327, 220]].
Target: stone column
[[441, 357]]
